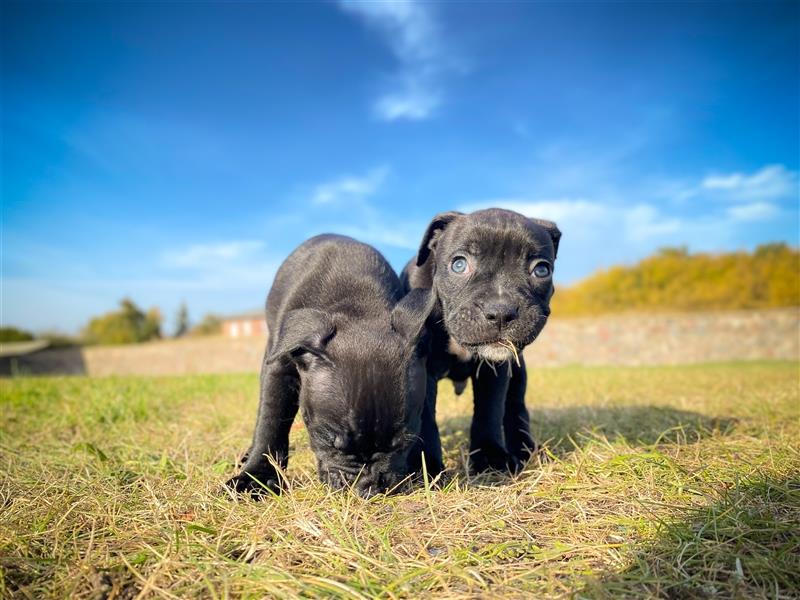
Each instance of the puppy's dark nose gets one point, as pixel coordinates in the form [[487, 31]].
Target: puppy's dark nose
[[500, 313]]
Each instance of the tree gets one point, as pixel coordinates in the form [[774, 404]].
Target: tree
[[128, 325], [151, 328], [12, 334], [211, 324], [182, 327]]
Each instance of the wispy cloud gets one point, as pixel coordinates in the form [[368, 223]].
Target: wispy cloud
[[620, 225], [592, 219], [754, 211], [412, 33], [415, 99], [233, 264], [646, 222], [351, 196], [350, 187], [559, 210], [201, 255], [600, 233], [375, 230], [772, 182]]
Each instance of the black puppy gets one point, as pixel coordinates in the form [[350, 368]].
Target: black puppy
[[348, 352], [492, 274]]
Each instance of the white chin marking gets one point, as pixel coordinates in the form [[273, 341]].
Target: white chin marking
[[495, 353]]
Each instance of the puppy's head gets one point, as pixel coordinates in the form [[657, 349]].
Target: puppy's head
[[362, 390], [492, 270]]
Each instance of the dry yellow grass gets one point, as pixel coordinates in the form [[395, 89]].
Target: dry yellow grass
[[661, 482]]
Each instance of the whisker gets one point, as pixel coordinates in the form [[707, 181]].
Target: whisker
[[492, 367]]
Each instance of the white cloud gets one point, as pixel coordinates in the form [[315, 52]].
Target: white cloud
[[349, 196], [755, 211], [590, 219], [771, 182], [408, 26], [559, 210], [201, 255], [598, 234], [411, 32], [349, 187], [406, 235], [644, 222], [414, 100]]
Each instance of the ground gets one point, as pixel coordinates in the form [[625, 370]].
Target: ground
[[675, 482]]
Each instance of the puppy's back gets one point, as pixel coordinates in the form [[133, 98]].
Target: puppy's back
[[334, 273]]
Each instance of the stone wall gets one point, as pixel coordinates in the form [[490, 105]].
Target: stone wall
[[651, 339], [631, 339]]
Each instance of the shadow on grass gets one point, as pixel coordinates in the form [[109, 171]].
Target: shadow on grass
[[744, 544], [68, 360], [561, 430]]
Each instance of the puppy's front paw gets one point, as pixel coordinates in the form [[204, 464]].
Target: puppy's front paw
[[525, 450], [492, 457], [256, 486]]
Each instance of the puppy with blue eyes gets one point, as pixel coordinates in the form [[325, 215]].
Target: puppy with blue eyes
[[348, 350], [491, 273]]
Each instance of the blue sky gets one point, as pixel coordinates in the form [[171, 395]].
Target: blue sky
[[179, 151]]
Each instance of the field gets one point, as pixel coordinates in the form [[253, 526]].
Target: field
[[674, 482]]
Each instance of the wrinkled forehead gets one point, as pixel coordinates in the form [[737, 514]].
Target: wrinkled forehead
[[365, 388], [496, 231], [368, 351]]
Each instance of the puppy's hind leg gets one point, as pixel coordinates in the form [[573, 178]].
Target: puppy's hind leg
[[516, 420], [277, 409]]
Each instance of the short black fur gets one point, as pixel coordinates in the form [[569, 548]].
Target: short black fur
[[501, 298], [348, 349]]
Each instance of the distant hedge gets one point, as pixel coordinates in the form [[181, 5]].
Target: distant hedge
[[673, 279]]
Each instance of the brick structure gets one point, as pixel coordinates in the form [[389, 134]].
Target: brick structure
[[251, 324]]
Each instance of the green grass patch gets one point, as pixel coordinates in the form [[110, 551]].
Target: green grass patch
[[674, 482]]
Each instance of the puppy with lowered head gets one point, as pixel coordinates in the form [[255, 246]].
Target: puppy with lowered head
[[347, 352]]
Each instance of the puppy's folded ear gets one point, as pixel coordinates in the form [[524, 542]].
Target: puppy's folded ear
[[303, 331], [411, 312], [435, 229], [553, 230]]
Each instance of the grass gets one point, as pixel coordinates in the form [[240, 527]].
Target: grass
[[674, 482]]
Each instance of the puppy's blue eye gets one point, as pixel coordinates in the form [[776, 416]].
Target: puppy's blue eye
[[459, 264], [541, 270]]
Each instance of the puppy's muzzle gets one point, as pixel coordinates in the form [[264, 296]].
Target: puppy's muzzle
[[500, 314], [365, 482]]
